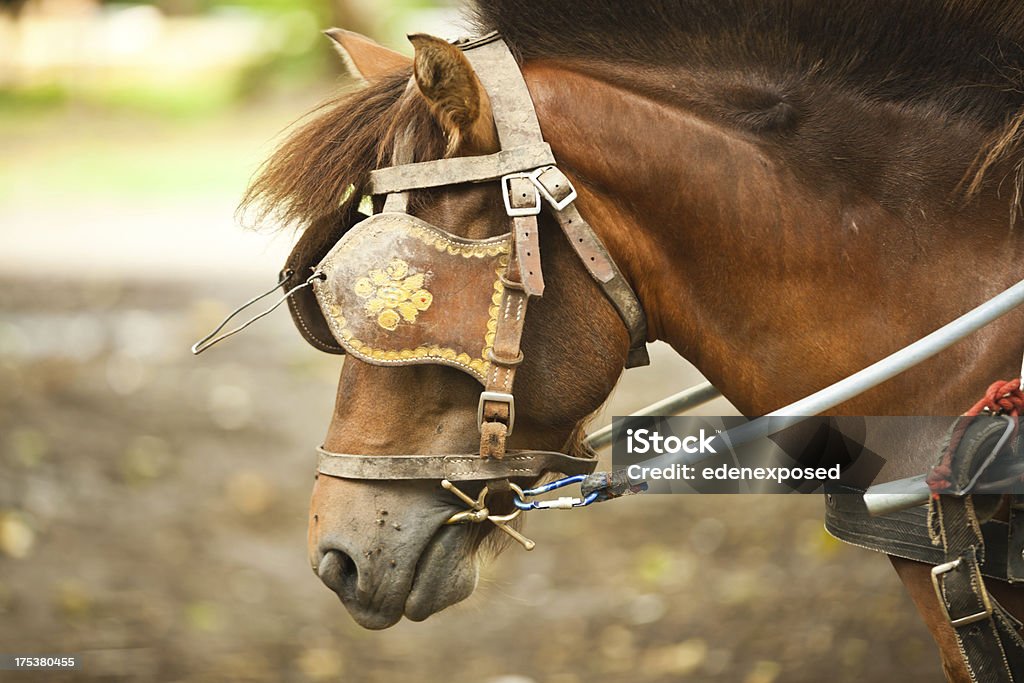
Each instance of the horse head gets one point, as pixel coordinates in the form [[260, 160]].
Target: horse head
[[383, 545]]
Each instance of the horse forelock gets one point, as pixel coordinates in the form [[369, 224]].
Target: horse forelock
[[320, 171]]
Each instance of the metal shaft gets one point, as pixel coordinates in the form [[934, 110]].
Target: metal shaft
[[673, 405], [860, 382]]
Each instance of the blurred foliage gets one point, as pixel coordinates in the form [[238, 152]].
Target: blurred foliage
[[273, 47], [190, 7]]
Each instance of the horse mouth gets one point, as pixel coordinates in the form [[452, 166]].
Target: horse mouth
[[446, 573]]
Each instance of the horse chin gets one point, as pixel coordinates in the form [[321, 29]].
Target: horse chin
[[374, 620], [446, 574]]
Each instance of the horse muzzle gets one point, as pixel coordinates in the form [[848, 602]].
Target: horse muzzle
[[385, 550]]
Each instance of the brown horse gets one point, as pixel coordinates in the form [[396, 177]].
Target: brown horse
[[793, 189]]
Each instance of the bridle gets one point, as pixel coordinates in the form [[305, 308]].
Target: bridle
[[510, 270]]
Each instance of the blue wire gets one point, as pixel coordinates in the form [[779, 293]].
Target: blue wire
[[560, 483], [557, 484]]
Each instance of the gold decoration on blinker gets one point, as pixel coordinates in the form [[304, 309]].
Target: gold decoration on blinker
[[393, 294]]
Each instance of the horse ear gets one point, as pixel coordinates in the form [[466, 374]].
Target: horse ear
[[366, 59], [456, 97]]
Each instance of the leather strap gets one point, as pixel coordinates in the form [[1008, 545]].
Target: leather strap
[[401, 157], [990, 644], [516, 122], [964, 551], [1015, 541], [602, 268], [462, 467], [522, 195], [505, 354], [905, 533], [440, 172], [511, 104]]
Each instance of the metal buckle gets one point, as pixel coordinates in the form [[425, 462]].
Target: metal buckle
[[501, 398], [506, 190], [556, 204], [971, 618]]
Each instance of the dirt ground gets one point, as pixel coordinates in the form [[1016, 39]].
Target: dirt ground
[[152, 519]]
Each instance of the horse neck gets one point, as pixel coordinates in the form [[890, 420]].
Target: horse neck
[[776, 284]]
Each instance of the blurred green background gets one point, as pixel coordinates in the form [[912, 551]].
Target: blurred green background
[[152, 504]]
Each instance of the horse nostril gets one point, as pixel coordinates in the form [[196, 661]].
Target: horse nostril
[[339, 573]]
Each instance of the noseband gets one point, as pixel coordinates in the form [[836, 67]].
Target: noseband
[[392, 292]]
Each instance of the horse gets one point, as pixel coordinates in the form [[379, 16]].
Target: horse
[[792, 189]]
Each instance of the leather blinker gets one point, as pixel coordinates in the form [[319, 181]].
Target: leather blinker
[[399, 291]]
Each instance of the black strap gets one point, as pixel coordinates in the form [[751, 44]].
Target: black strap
[[947, 533], [987, 635], [905, 534]]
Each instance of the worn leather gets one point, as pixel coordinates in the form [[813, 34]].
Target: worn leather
[[905, 533], [523, 149], [462, 467], [602, 268], [516, 122], [441, 172], [311, 248], [399, 291]]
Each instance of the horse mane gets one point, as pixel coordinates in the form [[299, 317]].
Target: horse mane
[[962, 60], [963, 53]]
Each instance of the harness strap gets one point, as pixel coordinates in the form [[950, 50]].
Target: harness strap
[[511, 104], [462, 467], [515, 119], [476, 169], [522, 197], [948, 534], [1015, 541], [600, 265], [987, 635], [401, 157], [496, 402]]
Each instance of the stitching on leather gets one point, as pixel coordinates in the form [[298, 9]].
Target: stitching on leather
[[309, 333]]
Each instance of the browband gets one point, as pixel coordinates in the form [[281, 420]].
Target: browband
[[439, 172]]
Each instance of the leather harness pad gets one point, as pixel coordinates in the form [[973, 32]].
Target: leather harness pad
[[399, 291]]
